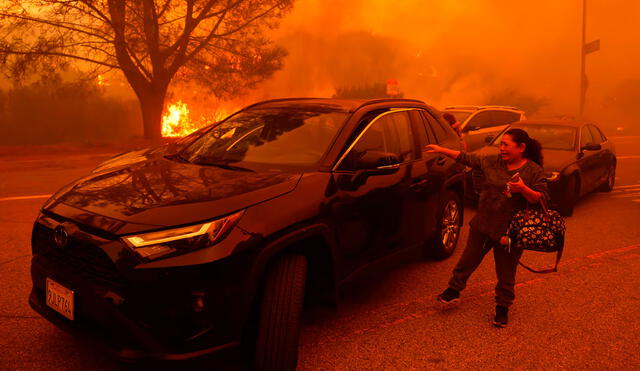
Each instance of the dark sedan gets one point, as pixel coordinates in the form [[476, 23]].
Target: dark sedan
[[578, 159]]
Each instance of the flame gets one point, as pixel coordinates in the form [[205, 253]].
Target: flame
[[102, 81], [176, 121]]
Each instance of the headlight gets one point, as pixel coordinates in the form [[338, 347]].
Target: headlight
[[554, 176], [153, 245]]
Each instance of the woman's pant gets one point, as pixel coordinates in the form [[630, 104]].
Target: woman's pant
[[506, 263]]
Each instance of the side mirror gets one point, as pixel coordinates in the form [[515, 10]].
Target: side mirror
[[376, 162], [591, 147], [373, 163], [489, 138]]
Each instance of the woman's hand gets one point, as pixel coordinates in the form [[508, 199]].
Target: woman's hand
[[529, 194], [433, 148], [518, 186]]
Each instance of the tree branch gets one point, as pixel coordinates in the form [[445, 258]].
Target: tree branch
[[64, 25], [59, 54]]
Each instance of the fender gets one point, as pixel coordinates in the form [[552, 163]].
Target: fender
[[452, 180], [569, 171], [280, 244]]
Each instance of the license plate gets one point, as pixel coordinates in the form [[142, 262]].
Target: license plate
[[60, 298]]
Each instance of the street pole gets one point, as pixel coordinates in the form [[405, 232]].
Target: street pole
[[583, 55]]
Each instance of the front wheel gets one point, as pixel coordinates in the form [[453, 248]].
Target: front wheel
[[280, 312], [448, 227]]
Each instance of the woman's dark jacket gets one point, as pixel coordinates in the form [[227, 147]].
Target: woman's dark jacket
[[495, 208]]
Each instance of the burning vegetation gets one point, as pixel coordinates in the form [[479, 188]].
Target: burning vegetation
[[446, 53]]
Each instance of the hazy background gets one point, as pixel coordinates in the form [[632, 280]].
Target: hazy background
[[445, 52]]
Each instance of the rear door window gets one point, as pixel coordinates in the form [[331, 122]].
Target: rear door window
[[481, 120], [597, 136], [504, 117], [424, 133], [436, 128], [585, 136]]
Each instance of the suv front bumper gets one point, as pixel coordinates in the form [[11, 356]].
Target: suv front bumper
[[143, 313]]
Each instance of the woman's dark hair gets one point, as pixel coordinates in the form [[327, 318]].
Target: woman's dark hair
[[533, 148], [449, 117]]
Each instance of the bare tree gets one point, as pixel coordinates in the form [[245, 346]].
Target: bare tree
[[220, 44]]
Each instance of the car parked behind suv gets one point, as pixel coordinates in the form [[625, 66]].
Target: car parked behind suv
[[578, 159], [477, 122], [176, 254]]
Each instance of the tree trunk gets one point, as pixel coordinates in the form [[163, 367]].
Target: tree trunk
[[151, 105]]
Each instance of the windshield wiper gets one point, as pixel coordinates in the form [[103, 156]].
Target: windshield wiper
[[178, 157], [224, 165]]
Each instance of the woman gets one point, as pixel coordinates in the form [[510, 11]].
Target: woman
[[512, 179]]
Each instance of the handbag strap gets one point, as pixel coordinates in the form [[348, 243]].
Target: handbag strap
[[549, 270]]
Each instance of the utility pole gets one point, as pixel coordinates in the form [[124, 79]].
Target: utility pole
[[583, 55], [585, 49]]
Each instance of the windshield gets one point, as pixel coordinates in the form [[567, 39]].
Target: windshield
[[276, 136], [460, 116], [550, 136]]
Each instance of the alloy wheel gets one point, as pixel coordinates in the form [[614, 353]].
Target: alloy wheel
[[450, 225]]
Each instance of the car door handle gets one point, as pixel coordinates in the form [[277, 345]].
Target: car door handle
[[441, 161]]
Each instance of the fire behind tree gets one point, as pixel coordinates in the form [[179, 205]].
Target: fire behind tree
[[219, 44]]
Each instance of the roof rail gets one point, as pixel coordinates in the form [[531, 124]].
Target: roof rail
[[481, 107], [278, 100], [383, 100], [365, 103], [463, 107], [506, 107]]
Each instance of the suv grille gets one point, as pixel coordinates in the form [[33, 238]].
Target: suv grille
[[80, 257]]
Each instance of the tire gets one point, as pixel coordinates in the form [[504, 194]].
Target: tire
[[570, 196], [608, 185], [280, 312], [448, 227]]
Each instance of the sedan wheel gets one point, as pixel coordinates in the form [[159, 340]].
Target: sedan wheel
[[611, 180]]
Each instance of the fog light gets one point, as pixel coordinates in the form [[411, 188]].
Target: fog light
[[198, 302]]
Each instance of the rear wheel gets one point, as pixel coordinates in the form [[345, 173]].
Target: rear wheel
[[280, 311], [449, 223], [607, 186], [570, 196]]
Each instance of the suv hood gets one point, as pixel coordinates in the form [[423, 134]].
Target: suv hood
[[159, 193]]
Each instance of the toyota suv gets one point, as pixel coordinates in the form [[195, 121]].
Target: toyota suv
[[176, 253]]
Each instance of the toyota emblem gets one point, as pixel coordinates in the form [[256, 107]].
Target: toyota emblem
[[60, 236]]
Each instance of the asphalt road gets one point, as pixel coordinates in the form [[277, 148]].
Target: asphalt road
[[586, 316]]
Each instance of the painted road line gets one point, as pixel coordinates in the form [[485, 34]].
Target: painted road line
[[624, 136], [627, 195], [23, 197], [627, 157], [628, 186]]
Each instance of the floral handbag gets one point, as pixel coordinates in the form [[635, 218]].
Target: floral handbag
[[537, 230]]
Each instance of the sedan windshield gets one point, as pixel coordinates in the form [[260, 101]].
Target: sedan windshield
[[550, 136], [274, 136]]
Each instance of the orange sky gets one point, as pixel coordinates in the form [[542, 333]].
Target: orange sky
[[458, 52]]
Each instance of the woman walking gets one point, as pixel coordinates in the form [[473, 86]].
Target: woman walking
[[512, 179]]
